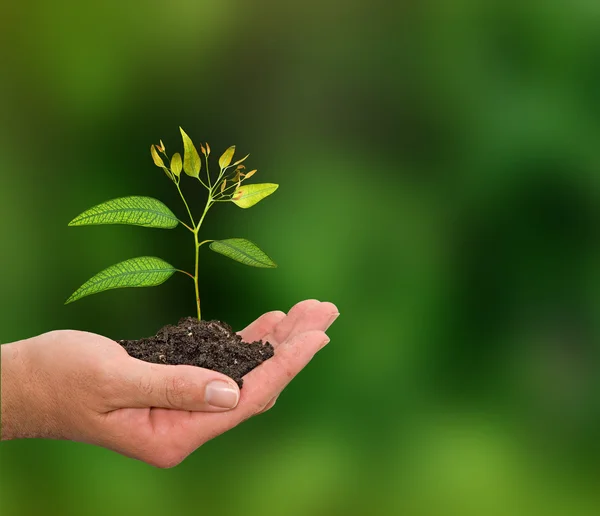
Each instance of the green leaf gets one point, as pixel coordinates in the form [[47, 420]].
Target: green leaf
[[227, 156], [134, 211], [138, 272], [243, 251], [191, 159], [246, 196], [176, 164]]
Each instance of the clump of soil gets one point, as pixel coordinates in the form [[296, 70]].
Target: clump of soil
[[209, 344]]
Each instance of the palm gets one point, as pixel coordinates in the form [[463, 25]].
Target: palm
[[296, 337]]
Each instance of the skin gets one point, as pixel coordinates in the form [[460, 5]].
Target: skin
[[83, 387]]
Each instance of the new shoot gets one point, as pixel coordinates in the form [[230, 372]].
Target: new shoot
[[228, 185]]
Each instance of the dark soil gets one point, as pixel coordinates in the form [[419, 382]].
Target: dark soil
[[209, 344]]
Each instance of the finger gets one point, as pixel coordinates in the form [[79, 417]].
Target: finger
[[267, 381], [316, 317], [270, 405], [260, 328], [177, 387], [283, 329], [262, 386]]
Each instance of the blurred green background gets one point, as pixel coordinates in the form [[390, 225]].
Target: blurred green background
[[439, 168]]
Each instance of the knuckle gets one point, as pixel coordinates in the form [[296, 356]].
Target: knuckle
[[175, 391], [52, 335], [273, 317], [286, 368], [257, 407], [105, 371], [108, 383], [145, 386], [269, 406]]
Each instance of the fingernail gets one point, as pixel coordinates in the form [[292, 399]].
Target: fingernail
[[221, 394], [332, 319], [325, 342]]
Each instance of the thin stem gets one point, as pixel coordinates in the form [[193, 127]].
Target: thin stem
[[208, 172], [222, 175], [233, 184], [225, 192], [186, 273], [186, 206], [185, 225], [209, 203]]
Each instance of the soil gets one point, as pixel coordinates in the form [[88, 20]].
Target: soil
[[209, 344]]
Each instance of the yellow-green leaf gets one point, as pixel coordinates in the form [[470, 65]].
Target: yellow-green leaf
[[134, 211], [146, 271], [159, 162], [176, 164], [227, 156], [242, 160], [191, 158], [243, 251], [156, 158], [246, 196]]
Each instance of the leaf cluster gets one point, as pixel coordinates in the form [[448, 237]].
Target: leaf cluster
[[228, 185]]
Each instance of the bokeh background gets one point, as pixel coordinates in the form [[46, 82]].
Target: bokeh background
[[439, 164]]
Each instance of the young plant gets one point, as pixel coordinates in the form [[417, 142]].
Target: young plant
[[228, 186]]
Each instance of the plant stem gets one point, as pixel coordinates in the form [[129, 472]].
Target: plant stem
[[198, 244], [196, 275], [195, 229]]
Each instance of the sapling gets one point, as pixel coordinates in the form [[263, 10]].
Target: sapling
[[226, 186]]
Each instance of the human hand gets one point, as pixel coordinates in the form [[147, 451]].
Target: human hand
[[84, 387]]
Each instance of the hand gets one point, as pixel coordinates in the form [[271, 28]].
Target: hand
[[84, 387]]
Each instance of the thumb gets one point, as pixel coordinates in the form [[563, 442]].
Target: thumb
[[178, 387]]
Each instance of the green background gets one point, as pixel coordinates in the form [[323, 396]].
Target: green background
[[439, 167]]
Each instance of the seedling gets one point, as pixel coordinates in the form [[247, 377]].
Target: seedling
[[228, 186]]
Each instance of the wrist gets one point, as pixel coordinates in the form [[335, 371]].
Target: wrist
[[26, 408], [11, 363]]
